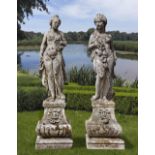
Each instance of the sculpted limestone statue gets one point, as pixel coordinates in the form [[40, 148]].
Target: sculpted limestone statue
[[102, 129], [103, 57], [52, 62], [53, 130]]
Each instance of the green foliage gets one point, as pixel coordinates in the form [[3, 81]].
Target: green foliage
[[77, 87], [135, 84], [118, 81], [82, 76], [126, 45], [30, 98], [86, 76], [125, 103], [26, 136], [33, 42], [30, 95], [25, 79], [84, 36], [122, 41], [123, 36], [25, 9], [127, 55]]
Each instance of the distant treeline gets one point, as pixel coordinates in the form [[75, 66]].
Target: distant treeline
[[83, 36], [122, 40]]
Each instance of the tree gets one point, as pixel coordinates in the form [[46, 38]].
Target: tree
[[25, 9]]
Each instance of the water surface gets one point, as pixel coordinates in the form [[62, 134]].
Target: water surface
[[76, 55]]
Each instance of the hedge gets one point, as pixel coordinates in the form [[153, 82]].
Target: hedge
[[30, 95], [30, 98], [74, 86]]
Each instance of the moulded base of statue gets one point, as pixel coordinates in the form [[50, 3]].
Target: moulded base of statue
[[53, 143], [53, 130], [103, 130], [104, 143]]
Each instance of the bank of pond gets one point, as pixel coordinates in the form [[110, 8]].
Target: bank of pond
[[123, 45]]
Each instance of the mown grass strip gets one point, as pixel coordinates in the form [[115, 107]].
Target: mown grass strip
[[32, 89]]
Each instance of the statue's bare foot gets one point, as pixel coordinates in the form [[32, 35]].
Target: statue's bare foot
[[104, 98], [95, 97], [62, 96], [51, 98]]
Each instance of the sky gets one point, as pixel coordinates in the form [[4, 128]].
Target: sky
[[78, 15]]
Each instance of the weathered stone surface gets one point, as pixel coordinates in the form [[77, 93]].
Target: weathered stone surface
[[52, 67], [102, 128], [53, 143], [103, 57], [54, 122], [53, 130], [50, 130], [57, 103], [104, 143], [102, 122]]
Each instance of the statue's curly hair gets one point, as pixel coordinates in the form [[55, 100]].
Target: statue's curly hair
[[55, 17], [100, 17]]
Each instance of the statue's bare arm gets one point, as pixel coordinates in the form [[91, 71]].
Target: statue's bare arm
[[43, 45], [92, 43], [63, 41]]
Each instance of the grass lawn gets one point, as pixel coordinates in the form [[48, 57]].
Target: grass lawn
[[26, 134]]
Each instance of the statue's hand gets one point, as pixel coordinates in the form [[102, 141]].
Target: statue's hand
[[41, 53], [95, 44], [60, 48]]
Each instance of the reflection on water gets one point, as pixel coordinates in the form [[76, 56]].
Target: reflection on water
[[76, 55], [127, 69]]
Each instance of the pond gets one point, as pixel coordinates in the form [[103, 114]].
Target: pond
[[76, 55]]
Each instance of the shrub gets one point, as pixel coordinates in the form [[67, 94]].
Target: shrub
[[30, 98], [86, 76], [126, 45], [25, 79], [118, 81], [135, 84], [30, 95], [82, 76]]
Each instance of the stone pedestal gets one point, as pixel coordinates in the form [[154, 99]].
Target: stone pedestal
[[103, 130], [53, 130], [53, 143]]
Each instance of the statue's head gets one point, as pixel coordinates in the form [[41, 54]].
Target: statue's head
[[100, 21], [55, 22]]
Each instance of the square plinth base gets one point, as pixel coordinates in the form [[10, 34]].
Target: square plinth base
[[53, 143], [105, 143]]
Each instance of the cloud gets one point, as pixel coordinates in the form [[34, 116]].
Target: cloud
[[78, 15], [121, 10], [115, 9], [44, 13]]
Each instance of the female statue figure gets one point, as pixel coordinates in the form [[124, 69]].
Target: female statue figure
[[52, 63], [103, 57]]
